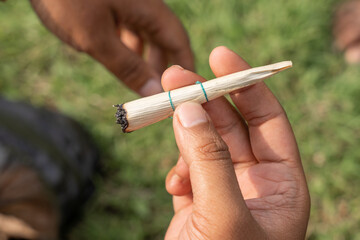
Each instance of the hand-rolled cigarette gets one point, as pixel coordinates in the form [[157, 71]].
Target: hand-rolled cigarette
[[145, 111]]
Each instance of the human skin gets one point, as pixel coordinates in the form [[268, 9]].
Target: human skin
[[239, 174], [135, 40], [346, 30]]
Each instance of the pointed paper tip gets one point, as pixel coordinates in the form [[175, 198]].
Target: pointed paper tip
[[281, 66], [289, 64]]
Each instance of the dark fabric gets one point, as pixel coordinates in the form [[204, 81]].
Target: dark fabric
[[58, 149]]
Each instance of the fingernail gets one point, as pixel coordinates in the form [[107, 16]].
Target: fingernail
[[176, 180], [178, 66], [151, 87], [191, 114]]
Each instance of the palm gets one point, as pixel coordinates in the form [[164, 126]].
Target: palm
[[263, 180], [265, 187], [268, 189]]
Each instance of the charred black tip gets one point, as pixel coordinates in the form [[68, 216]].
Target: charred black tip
[[121, 117]]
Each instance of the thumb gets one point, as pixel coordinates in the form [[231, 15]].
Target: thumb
[[216, 193]]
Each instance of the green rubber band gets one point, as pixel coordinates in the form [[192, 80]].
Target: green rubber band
[[171, 103], [202, 87]]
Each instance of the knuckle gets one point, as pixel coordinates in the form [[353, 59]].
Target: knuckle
[[228, 127], [255, 119], [216, 149]]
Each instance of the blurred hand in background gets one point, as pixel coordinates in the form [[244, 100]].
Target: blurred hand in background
[[235, 180], [346, 30], [135, 40]]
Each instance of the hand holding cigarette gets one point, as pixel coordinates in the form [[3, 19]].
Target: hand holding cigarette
[[239, 174], [145, 111]]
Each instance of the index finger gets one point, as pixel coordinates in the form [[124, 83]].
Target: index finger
[[271, 135], [161, 26], [172, 37]]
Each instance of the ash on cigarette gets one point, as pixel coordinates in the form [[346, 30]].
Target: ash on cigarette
[[121, 117]]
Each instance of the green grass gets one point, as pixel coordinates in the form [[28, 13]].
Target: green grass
[[321, 95]]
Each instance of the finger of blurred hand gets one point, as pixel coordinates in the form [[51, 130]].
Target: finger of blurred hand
[[347, 35], [161, 27], [346, 24], [156, 58], [216, 193], [271, 135], [127, 66], [225, 118]]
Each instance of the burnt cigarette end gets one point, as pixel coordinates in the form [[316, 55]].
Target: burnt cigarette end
[[121, 117]]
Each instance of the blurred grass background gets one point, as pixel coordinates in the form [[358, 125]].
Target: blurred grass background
[[321, 95]]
